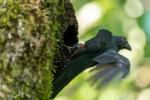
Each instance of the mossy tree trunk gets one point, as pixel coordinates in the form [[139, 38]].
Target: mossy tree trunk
[[33, 37]]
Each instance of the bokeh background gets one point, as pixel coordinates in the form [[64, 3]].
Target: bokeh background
[[129, 18]]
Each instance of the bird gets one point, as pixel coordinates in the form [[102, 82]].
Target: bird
[[106, 46], [111, 64]]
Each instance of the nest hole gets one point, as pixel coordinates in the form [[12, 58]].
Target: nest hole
[[70, 36]]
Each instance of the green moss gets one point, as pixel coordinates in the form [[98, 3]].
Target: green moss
[[28, 33]]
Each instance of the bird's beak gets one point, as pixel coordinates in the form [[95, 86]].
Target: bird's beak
[[128, 47]]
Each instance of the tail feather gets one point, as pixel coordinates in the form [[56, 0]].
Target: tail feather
[[108, 78], [99, 73], [103, 75]]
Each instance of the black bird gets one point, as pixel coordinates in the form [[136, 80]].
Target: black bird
[[110, 64], [106, 53]]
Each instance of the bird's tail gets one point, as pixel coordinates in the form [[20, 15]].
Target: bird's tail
[[104, 75]]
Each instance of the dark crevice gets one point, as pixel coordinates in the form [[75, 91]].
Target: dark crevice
[[70, 35]]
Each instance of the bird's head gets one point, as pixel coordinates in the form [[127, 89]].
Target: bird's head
[[122, 42]]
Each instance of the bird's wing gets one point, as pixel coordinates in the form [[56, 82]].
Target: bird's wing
[[100, 41], [103, 76], [107, 57], [110, 65]]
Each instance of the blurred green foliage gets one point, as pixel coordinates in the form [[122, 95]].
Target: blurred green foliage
[[123, 17]]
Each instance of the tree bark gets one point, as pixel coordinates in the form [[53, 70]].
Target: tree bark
[[33, 39]]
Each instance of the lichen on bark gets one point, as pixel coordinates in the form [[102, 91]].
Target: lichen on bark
[[27, 45], [33, 36]]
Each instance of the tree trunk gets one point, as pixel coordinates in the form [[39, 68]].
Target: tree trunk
[[33, 39]]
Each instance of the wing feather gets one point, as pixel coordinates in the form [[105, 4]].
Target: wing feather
[[109, 65], [106, 58]]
